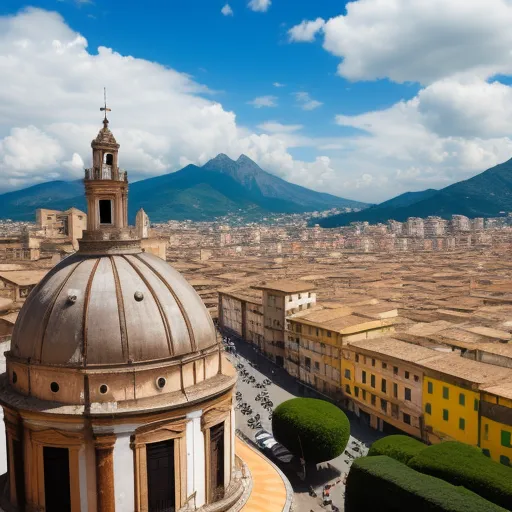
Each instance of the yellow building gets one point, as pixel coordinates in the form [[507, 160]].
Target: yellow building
[[496, 422], [382, 382], [451, 396], [314, 340]]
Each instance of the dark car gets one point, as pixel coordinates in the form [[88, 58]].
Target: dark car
[[272, 448]]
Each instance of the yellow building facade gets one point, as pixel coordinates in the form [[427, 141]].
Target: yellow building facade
[[496, 422], [451, 410]]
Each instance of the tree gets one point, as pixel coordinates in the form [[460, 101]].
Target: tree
[[313, 429]]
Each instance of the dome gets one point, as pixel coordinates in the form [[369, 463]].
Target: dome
[[105, 137], [111, 310]]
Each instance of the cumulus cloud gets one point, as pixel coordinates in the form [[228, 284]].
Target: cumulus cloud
[[275, 127], [278, 84], [51, 91], [421, 41], [306, 31], [306, 102], [263, 101], [226, 10], [259, 5]]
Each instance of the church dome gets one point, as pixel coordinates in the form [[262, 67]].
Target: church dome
[[115, 309]]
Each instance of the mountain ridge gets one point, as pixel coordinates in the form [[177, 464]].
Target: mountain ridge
[[221, 186], [486, 194]]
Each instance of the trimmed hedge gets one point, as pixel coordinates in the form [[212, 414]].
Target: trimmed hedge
[[398, 447], [320, 426], [384, 484], [461, 464]]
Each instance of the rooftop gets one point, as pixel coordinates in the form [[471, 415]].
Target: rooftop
[[391, 347], [23, 277], [469, 370], [285, 286]]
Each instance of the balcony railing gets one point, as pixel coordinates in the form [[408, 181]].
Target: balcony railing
[[107, 172]]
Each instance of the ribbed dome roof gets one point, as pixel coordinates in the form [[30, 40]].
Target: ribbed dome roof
[[111, 310], [105, 137]]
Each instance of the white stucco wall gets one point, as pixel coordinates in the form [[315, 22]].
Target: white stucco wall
[[123, 474], [196, 475]]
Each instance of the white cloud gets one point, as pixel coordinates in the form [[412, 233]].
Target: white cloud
[[306, 102], [278, 84], [226, 10], [421, 41], [305, 31], [51, 91], [259, 5], [264, 101], [275, 127]]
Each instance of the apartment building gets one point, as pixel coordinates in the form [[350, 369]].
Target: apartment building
[[242, 314], [382, 383], [280, 300], [315, 338], [496, 422]]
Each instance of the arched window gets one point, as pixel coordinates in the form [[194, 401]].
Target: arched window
[[109, 158]]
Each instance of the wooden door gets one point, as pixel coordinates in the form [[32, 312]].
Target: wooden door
[[19, 474], [57, 493], [217, 462], [160, 466]]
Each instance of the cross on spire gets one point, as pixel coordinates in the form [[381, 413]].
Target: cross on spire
[[105, 109]]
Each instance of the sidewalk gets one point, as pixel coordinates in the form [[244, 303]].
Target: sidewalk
[[268, 488]]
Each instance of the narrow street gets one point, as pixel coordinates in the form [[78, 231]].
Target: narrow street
[[256, 370]]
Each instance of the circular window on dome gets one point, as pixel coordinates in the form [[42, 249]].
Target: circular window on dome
[[54, 387], [161, 382], [14, 378], [138, 296], [103, 389]]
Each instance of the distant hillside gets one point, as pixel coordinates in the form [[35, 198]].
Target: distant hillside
[[219, 187], [487, 194], [22, 204]]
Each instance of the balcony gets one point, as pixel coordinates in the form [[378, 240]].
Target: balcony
[[107, 172]]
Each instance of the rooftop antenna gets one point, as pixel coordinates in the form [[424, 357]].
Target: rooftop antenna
[[105, 108]]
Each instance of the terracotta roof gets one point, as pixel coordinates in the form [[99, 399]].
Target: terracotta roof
[[467, 369], [503, 389], [23, 277], [285, 286], [391, 347]]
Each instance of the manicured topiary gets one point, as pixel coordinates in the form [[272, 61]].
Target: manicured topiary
[[398, 447], [461, 464], [322, 428], [384, 484]]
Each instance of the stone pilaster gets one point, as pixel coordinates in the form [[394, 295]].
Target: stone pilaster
[[104, 446]]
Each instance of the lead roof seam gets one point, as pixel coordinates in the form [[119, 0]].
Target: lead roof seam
[[87, 297], [165, 320], [49, 311], [125, 345], [180, 305]]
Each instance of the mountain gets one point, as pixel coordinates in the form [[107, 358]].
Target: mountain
[[21, 204], [266, 186], [487, 194], [219, 187]]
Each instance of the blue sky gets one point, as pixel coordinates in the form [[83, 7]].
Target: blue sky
[[238, 57], [388, 85]]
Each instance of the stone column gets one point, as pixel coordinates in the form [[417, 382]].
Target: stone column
[[104, 446]]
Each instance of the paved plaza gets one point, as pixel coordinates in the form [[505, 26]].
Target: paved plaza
[[255, 372]]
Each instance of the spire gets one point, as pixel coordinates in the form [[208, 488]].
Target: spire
[[105, 108]]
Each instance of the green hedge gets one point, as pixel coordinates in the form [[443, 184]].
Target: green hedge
[[384, 484], [398, 447], [323, 428], [461, 464]]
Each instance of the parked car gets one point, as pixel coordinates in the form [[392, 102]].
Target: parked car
[[272, 448]]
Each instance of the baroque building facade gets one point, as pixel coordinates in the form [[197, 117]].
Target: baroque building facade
[[117, 395]]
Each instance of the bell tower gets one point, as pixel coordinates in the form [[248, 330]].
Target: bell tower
[[106, 186]]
